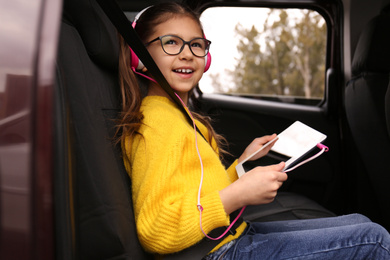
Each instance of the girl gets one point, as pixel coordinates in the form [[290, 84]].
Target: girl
[[161, 159]]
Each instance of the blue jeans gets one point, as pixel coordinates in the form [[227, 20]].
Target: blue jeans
[[345, 237]]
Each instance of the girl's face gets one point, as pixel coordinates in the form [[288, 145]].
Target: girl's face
[[184, 70]]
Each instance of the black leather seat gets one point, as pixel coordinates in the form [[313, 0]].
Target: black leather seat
[[87, 73], [387, 108], [366, 113], [94, 213]]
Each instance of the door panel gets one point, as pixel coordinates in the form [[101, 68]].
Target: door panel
[[241, 120]]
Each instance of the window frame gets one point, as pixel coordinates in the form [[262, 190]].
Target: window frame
[[331, 13]]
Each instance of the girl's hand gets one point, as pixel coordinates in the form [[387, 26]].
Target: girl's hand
[[256, 145], [258, 186]]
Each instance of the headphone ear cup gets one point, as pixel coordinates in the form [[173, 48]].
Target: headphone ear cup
[[207, 61], [136, 64]]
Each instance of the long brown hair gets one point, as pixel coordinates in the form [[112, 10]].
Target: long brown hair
[[131, 118]]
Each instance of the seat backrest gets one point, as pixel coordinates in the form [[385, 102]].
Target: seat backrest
[[387, 108], [365, 108], [87, 78]]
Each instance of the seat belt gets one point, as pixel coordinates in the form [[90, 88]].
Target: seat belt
[[204, 246], [123, 25]]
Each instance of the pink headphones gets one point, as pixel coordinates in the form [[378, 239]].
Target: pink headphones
[[136, 64]]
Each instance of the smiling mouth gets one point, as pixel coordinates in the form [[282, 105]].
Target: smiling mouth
[[186, 71]]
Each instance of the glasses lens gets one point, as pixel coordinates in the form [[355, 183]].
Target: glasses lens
[[171, 44], [199, 47], [174, 45]]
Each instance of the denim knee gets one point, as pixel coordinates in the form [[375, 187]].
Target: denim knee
[[358, 218]]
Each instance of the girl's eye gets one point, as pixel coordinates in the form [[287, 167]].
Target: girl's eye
[[197, 44], [170, 42]]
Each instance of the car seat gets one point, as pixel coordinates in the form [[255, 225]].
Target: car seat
[[94, 215], [387, 108], [87, 88], [366, 113]]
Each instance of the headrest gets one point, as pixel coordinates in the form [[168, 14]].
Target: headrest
[[98, 34], [373, 49]]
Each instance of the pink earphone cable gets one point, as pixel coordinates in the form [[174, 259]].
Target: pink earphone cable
[[323, 148], [143, 75], [199, 205]]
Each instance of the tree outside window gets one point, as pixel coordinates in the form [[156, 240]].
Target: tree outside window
[[283, 56]]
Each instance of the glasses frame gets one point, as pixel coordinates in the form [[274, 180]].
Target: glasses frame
[[182, 47]]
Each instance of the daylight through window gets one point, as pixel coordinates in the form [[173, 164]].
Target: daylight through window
[[263, 52]]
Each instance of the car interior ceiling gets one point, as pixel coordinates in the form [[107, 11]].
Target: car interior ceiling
[[90, 177]]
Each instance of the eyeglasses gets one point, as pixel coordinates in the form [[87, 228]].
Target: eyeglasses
[[173, 45]]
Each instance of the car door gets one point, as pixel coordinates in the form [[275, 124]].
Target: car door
[[242, 115]]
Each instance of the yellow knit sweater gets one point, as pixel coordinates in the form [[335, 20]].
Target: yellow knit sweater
[[165, 171]]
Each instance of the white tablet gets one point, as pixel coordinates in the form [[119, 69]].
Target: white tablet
[[290, 146]]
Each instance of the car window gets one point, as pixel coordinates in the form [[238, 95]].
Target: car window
[[266, 53]]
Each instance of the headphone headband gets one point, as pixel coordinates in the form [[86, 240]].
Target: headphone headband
[[139, 15]]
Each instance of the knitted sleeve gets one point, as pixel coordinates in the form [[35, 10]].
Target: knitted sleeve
[[165, 172], [232, 171]]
